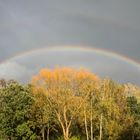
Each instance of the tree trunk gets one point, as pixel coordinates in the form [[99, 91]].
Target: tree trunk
[[65, 128], [133, 136], [91, 127], [43, 133], [91, 122], [67, 134], [48, 132], [101, 121], [86, 128]]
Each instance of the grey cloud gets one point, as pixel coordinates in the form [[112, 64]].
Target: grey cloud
[[27, 25], [13, 70]]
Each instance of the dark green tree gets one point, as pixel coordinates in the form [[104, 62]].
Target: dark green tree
[[134, 107], [15, 103]]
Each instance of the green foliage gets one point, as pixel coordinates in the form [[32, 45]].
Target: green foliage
[[134, 108], [25, 132], [60, 138], [15, 106], [75, 138], [72, 138]]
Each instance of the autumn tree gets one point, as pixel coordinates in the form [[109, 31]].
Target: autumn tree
[[42, 114], [112, 107], [65, 90]]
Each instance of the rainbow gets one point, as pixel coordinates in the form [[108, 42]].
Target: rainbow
[[66, 48]]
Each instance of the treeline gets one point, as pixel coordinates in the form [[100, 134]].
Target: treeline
[[69, 104]]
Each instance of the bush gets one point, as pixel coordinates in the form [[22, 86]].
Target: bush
[[60, 138], [75, 138], [72, 138]]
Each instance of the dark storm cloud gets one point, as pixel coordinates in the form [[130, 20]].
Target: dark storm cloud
[[110, 24]]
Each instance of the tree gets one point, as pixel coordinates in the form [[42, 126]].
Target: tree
[[42, 115], [2, 83], [134, 108], [69, 104], [65, 91], [112, 107], [15, 105]]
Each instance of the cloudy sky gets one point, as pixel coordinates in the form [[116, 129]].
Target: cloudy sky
[[112, 25]]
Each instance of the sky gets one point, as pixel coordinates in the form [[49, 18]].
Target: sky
[[111, 25]]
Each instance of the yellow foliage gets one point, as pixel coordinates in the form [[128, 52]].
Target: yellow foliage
[[66, 79], [64, 89]]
